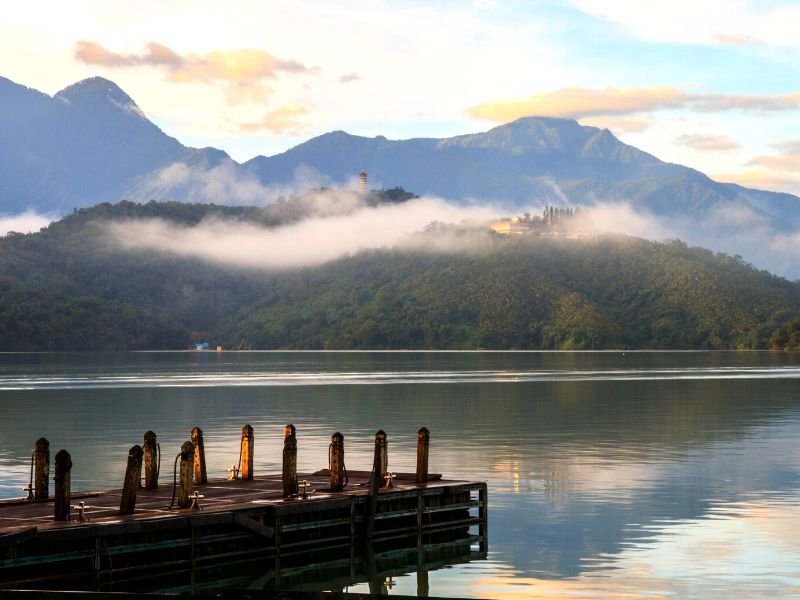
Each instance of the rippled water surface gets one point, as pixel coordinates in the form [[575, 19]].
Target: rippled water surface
[[610, 474]]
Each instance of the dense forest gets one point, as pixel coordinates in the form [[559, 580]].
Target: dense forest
[[65, 288]]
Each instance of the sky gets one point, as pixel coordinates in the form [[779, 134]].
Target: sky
[[714, 85]]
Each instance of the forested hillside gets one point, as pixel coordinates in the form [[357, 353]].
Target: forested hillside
[[536, 293], [66, 288]]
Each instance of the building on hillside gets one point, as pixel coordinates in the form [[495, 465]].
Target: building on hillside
[[515, 226], [362, 182]]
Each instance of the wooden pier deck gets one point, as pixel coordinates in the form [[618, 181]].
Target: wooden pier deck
[[237, 521]]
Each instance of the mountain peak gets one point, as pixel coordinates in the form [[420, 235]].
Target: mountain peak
[[97, 91]]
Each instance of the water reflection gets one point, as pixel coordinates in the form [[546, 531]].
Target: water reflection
[[608, 474]]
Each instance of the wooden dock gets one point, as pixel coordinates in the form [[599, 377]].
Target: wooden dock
[[245, 520]]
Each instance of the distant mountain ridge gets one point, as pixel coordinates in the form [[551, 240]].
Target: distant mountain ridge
[[91, 143]]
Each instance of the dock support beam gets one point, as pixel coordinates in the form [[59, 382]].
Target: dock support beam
[[185, 476], [289, 461], [423, 444], [200, 476], [151, 461], [62, 491], [41, 470], [337, 462], [247, 453], [133, 474]]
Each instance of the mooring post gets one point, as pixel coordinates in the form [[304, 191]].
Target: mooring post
[[289, 461], [62, 492], [41, 466], [375, 480], [423, 443], [247, 452], [200, 475], [337, 462], [151, 462], [133, 475], [381, 447], [185, 477]]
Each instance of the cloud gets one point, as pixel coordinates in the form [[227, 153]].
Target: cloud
[[619, 124], [311, 242], [577, 103], [707, 143], [93, 53], [283, 120], [242, 70], [787, 147], [733, 39], [773, 172], [349, 78], [27, 222], [762, 179], [712, 22]]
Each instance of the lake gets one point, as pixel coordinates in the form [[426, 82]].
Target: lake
[[609, 473]]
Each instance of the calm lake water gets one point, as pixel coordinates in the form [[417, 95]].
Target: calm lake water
[[610, 474]]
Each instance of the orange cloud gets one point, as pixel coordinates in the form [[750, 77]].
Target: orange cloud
[[762, 179], [708, 143], [93, 53], [243, 70], [579, 103], [283, 120], [733, 39]]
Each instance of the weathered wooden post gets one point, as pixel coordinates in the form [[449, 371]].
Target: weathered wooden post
[[185, 476], [62, 491], [200, 475], [289, 461], [423, 443], [381, 447], [337, 462], [375, 480], [41, 472], [150, 450], [133, 475], [247, 452]]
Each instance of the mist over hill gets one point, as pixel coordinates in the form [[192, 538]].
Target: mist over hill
[[91, 143], [111, 278]]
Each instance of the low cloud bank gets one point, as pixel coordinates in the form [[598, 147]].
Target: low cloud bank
[[313, 241], [340, 226], [27, 222]]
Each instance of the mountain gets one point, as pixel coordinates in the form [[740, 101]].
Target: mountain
[[91, 143], [87, 144], [71, 287], [530, 162]]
